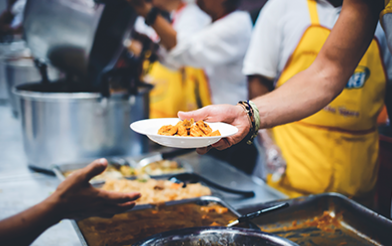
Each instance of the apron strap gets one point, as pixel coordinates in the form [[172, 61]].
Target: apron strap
[[314, 19]]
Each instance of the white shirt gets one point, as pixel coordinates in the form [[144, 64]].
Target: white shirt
[[219, 49], [18, 10], [186, 21], [279, 29]]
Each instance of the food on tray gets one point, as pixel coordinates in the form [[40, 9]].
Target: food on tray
[[157, 191], [119, 171], [111, 172], [161, 167], [326, 223], [135, 225], [188, 128]]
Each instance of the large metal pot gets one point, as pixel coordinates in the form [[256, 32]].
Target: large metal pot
[[203, 236], [64, 122], [20, 69], [5, 48]]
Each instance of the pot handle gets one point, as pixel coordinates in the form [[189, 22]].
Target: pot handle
[[43, 70]]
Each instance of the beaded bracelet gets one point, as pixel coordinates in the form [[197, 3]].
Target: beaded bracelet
[[253, 116]]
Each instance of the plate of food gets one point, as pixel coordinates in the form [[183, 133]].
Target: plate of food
[[172, 132]]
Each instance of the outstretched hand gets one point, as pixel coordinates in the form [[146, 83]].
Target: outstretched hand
[[234, 115], [76, 198]]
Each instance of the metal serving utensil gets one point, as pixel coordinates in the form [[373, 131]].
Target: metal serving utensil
[[185, 178], [256, 214], [163, 156]]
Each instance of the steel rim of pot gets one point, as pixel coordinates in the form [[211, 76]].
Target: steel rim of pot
[[195, 231], [49, 96]]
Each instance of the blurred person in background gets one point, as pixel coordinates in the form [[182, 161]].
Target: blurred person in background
[[312, 88], [181, 88], [219, 48], [336, 149], [74, 198], [12, 17]]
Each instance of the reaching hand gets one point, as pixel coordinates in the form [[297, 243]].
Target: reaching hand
[[76, 198], [234, 115]]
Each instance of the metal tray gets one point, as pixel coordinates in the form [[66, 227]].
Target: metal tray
[[199, 201], [353, 224], [60, 169]]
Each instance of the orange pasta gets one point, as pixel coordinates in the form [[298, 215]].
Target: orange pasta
[[188, 128]]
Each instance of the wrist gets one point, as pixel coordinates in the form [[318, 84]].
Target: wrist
[[53, 208], [241, 113], [252, 114]]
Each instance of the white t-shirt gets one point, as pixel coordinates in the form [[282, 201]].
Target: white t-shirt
[[219, 49], [279, 29], [18, 10], [186, 21]]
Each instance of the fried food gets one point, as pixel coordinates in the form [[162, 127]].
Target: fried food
[[168, 130], [187, 128], [214, 133], [206, 129], [155, 191], [196, 132]]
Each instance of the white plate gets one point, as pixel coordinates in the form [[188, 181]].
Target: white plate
[[151, 127]]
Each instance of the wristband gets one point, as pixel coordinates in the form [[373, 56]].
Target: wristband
[[253, 117], [151, 16], [256, 114]]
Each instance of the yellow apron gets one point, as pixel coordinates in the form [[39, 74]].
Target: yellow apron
[[336, 149], [183, 90]]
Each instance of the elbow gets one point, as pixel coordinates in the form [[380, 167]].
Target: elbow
[[333, 80]]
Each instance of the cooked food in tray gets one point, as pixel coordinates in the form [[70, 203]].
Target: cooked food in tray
[[160, 168], [131, 227], [153, 169], [188, 128], [157, 191], [111, 172]]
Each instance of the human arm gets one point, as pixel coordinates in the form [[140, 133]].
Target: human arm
[[259, 85], [311, 90], [167, 34], [74, 198]]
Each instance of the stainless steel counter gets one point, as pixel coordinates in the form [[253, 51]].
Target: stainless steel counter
[[21, 188]]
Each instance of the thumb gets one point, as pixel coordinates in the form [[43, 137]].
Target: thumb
[[200, 114], [94, 168]]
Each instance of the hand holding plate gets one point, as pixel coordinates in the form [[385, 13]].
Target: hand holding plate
[[233, 115]]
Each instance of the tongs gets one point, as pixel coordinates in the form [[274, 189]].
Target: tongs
[[251, 216], [195, 178]]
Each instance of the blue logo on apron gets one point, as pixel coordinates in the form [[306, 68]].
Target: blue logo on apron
[[359, 78]]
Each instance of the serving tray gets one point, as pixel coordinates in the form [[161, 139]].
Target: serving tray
[[325, 219], [146, 220], [60, 169]]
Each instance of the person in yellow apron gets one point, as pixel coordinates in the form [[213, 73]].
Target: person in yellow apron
[[174, 90], [336, 149], [332, 68]]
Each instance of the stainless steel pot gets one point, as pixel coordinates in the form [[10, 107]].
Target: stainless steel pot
[[21, 70], [217, 236], [65, 122], [5, 48]]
